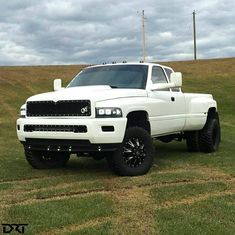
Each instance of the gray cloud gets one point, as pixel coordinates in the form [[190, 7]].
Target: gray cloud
[[75, 31]]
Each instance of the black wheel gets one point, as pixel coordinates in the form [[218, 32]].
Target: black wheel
[[41, 160], [192, 141], [210, 136], [135, 154]]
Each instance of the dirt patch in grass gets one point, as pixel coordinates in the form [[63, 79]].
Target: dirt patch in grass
[[133, 210]]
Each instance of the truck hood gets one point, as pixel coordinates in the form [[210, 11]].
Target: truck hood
[[93, 93]]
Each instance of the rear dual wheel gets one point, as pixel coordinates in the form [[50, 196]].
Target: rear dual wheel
[[206, 140], [210, 136]]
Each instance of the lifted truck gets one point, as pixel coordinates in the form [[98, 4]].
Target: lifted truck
[[115, 111]]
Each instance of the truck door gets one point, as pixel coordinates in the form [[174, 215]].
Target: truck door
[[167, 114]]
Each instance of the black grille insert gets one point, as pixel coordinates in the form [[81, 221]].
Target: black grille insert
[[55, 128], [59, 108]]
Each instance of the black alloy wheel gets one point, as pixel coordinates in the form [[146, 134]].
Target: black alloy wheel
[[135, 155], [134, 152]]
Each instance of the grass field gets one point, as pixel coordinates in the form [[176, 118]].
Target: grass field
[[184, 193]]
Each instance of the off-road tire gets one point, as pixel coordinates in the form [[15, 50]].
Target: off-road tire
[[41, 160], [192, 141], [210, 135], [135, 155]]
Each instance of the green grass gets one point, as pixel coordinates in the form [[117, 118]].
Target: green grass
[[211, 216], [184, 193], [44, 216]]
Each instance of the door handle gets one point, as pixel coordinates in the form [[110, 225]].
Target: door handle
[[173, 99]]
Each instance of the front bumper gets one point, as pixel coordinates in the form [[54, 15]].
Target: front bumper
[[72, 146], [94, 136]]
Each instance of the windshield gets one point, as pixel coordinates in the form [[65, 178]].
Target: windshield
[[116, 76]]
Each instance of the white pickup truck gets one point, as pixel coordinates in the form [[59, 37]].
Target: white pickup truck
[[116, 111]]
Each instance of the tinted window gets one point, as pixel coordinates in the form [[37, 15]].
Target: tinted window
[[158, 75], [116, 76]]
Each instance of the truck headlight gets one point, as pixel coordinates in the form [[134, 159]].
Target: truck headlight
[[108, 112], [22, 113]]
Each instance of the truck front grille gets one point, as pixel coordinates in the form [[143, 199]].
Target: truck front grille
[[56, 128], [59, 108]]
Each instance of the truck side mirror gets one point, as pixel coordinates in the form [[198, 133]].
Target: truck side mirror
[[176, 78], [57, 84]]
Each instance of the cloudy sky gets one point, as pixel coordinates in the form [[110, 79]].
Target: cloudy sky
[[36, 32]]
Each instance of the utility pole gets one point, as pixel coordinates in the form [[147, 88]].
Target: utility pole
[[194, 36], [143, 34]]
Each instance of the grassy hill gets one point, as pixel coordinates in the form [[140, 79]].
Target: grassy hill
[[184, 193]]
